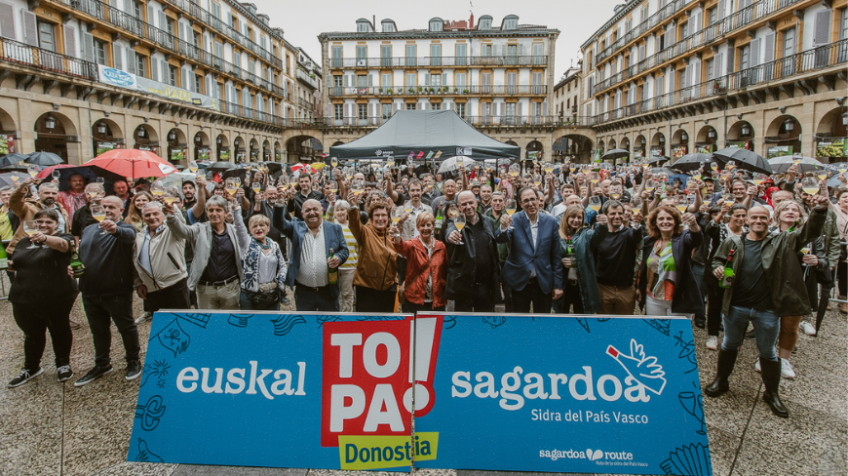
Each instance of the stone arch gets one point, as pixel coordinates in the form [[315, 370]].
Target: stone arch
[[832, 126], [7, 122], [303, 148], [783, 136], [266, 151], [534, 148], [53, 130], [572, 148], [741, 133], [106, 134]]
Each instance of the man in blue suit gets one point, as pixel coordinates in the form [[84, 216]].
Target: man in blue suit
[[313, 242], [533, 268]]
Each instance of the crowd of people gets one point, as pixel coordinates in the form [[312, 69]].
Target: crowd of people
[[725, 246]]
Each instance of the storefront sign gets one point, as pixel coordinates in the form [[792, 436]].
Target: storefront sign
[[123, 79], [836, 147], [7, 144], [779, 151], [103, 147], [177, 154], [514, 392]]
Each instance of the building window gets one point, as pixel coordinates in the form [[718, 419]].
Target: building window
[[386, 110], [386, 55], [411, 106], [362, 111], [172, 75], [198, 84], [437, 106], [435, 54], [460, 80], [336, 56], [46, 36], [411, 55], [436, 25], [361, 53], [338, 112], [411, 80], [141, 65], [100, 52], [461, 53], [460, 109]]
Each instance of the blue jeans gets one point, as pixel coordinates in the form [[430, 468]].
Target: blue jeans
[[766, 327]]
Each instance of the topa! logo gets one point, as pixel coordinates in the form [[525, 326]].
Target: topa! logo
[[370, 376]]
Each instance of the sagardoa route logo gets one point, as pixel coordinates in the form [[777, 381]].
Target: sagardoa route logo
[[373, 371]]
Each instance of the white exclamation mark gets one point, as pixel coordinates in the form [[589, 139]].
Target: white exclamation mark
[[422, 337]]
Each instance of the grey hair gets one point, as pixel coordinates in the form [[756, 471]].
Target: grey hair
[[216, 201], [152, 204], [46, 185], [342, 204]]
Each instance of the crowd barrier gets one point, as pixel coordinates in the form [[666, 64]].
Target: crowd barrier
[[551, 393]]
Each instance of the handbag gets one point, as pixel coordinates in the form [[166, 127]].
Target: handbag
[[266, 299]]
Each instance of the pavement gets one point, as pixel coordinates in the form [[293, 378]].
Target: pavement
[[50, 428]]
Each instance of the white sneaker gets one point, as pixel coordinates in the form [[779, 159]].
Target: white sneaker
[[757, 366], [807, 328], [786, 370], [712, 342]]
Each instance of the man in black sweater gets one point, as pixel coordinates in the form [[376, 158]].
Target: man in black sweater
[[106, 250], [615, 249]]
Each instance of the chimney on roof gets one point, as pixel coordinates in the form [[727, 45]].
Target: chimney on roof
[[471, 21]]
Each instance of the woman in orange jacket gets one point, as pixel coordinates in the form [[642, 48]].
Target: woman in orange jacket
[[426, 267]]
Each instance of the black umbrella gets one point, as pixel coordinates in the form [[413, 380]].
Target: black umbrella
[[657, 160], [744, 158], [221, 166], [615, 154], [12, 158], [690, 162], [44, 159]]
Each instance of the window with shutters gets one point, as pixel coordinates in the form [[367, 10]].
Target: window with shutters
[[486, 83], [198, 83], [361, 54], [710, 66], [509, 113], [386, 55], [338, 112], [788, 52], [47, 36], [411, 80], [100, 56], [460, 80], [411, 51], [538, 54], [821, 37], [459, 108], [512, 83], [511, 54], [436, 80], [362, 112], [411, 106], [536, 80], [461, 51], [435, 54], [386, 110], [141, 65], [842, 54], [7, 21], [336, 56], [172, 75]]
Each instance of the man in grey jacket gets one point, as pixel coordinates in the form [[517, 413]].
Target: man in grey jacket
[[159, 261], [216, 269]]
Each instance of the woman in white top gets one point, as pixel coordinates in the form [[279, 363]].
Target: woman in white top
[[348, 269]]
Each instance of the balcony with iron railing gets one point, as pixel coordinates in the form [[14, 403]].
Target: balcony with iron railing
[[308, 78], [641, 28], [33, 58], [741, 18], [430, 91], [438, 61], [164, 40], [197, 12], [782, 69], [480, 122]]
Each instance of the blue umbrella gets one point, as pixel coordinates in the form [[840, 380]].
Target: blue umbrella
[[44, 159], [12, 158]]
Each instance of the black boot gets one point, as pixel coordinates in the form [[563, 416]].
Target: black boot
[[771, 380], [726, 362]]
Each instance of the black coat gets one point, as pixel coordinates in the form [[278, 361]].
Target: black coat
[[462, 268], [687, 297]]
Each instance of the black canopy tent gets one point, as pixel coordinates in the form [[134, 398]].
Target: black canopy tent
[[425, 135]]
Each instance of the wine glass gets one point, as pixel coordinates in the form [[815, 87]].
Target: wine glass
[[453, 212], [459, 161], [192, 166], [31, 229], [32, 169], [537, 181], [334, 187], [334, 162], [397, 214], [650, 185], [548, 167], [56, 175], [358, 188], [730, 165], [256, 187], [810, 185], [230, 186], [157, 189], [595, 203], [682, 204], [714, 166], [758, 178], [511, 206], [459, 223], [390, 161], [99, 214]]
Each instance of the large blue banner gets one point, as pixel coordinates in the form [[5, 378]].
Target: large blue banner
[[505, 392], [567, 394]]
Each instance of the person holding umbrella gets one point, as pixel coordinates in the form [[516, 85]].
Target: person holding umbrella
[[74, 198]]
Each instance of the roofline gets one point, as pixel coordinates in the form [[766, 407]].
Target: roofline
[[631, 4], [415, 34]]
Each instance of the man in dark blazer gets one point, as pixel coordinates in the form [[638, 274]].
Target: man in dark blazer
[[314, 241], [533, 268]]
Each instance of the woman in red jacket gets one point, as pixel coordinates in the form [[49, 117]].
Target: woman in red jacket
[[426, 270]]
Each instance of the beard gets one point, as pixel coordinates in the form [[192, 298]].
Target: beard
[[49, 201]]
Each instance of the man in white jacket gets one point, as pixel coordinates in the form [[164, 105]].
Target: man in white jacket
[[159, 261]]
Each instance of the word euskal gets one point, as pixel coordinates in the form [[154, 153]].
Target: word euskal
[[239, 381]]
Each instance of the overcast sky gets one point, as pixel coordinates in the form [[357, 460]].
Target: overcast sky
[[303, 21]]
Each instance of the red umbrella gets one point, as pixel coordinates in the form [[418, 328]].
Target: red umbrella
[[302, 168], [133, 163]]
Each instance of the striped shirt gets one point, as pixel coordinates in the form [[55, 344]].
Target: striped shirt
[[352, 247]]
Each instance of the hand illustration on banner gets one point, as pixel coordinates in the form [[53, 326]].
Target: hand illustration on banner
[[145, 455], [641, 368], [158, 370]]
